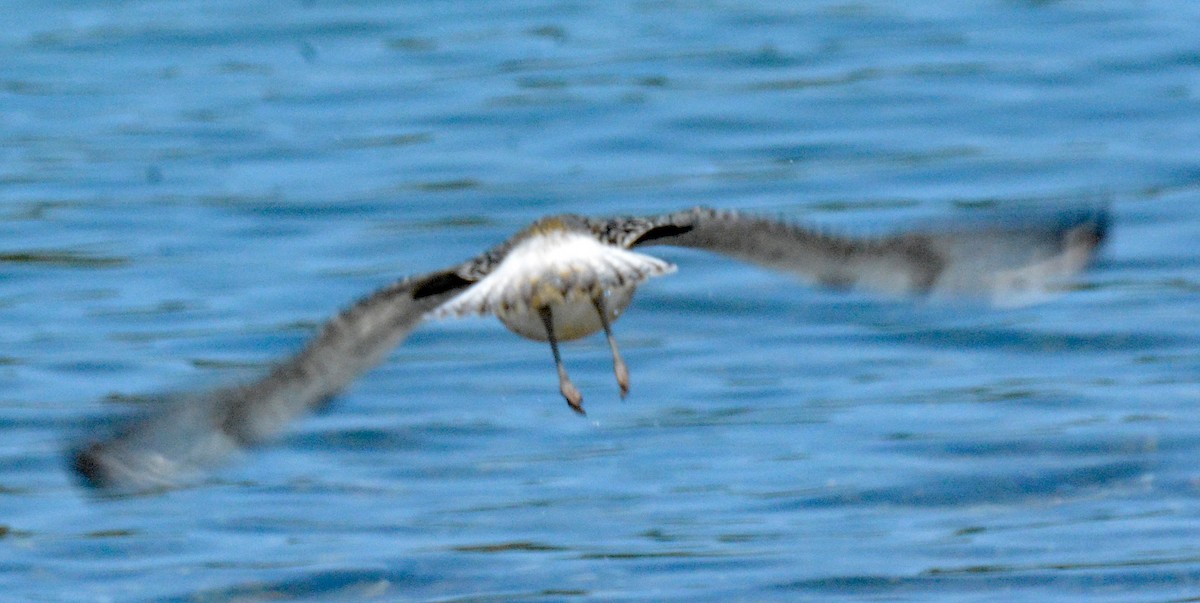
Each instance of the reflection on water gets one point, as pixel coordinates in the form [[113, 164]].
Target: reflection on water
[[190, 189]]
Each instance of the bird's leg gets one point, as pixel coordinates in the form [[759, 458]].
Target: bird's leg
[[619, 367], [568, 389]]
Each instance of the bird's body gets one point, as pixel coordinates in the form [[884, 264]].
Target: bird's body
[[558, 280], [566, 277], [556, 263]]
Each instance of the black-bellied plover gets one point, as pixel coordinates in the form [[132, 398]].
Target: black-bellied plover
[[566, 277]]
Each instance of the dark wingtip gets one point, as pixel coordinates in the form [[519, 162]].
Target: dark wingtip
[[87, 465], [1089, 230]]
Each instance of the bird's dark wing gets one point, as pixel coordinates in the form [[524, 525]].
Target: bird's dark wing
[[1009, 262], [193, 432]]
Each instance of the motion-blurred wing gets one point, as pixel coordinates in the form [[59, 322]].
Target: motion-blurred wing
[[1007, 263], [198, 431]]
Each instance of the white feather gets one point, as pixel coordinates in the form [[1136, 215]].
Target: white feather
[[564, 271]]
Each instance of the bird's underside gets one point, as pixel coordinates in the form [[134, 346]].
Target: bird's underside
[[565, 277]]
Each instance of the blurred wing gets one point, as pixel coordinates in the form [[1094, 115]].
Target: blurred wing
[[1006, 263], [197, 431]]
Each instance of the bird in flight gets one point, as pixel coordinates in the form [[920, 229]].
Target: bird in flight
[[566, 277]]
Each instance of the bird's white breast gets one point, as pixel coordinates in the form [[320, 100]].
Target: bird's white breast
[[564, 271]]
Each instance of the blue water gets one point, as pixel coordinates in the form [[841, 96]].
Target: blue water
[[188, 188]]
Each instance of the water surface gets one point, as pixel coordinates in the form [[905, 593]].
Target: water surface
[[187, 189]]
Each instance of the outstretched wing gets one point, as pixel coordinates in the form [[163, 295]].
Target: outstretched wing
[[198, 431], [1007, 263]]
